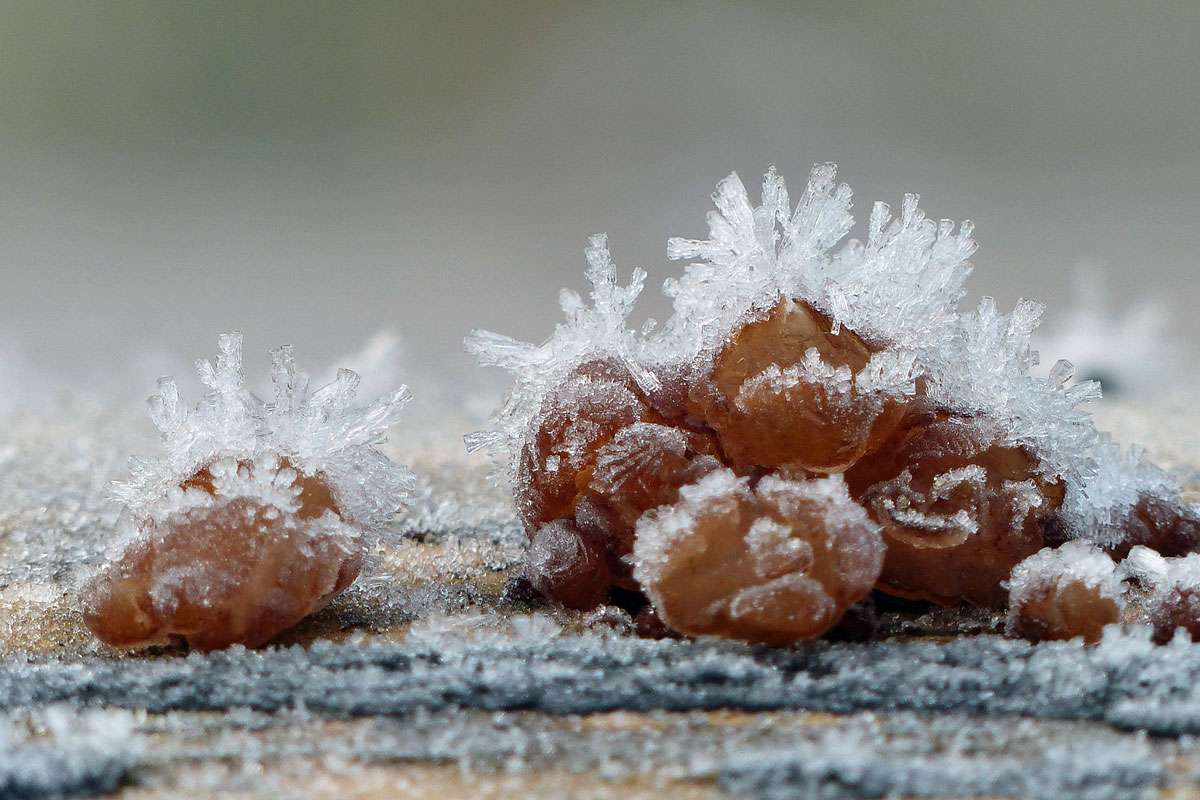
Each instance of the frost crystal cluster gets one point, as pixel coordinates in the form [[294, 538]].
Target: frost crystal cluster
[[257, 513], [814, 419]]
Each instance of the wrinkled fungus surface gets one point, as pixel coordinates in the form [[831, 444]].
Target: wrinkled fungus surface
[[792, 365], [1064, 593], [957, 512], [233, 570], [775, 563], [257, 515], [1164, 592]]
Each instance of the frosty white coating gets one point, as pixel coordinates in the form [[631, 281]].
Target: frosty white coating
[[1099, 505], [900, 290], [660, 531], [1145, 566], [319, 432], [1162, 575]]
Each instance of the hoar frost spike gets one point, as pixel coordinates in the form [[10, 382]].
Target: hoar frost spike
[[257, 514], [815, 419]]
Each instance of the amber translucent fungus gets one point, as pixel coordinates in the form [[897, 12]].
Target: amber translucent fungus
[[1166, 526], [568, 566], [1063, 593], [1176, 607], [1164, 592], [957, 511], [640, 468], [781, 394], [777, 563], [576, 420], [788, 359], [227, 568]]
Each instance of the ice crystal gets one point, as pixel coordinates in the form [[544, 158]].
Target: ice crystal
[[533, 665], [379, 362], [596, 331], [1166, 591], [1099, 507], [900, 287], [321, 431], [1078, 561], [983, 371]]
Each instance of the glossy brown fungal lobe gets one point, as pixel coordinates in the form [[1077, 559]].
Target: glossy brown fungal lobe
[[640, 468], [1168, 528], [786, 359], [568, 566], [596, 401], [601, 456], [956, 504], [768, 413], [957, 511], [1162, 592], [226, 569], [1175, 608], [1070, 592], [1064, 611], [774, 563]]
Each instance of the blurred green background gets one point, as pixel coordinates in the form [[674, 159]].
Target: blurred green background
[[311, 172]]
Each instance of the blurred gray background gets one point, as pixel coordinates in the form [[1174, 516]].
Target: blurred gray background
[[313, 172]]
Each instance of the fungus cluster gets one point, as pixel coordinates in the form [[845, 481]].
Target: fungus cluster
[[815, 421]]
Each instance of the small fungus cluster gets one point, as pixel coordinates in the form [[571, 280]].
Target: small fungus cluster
[[257, 515]]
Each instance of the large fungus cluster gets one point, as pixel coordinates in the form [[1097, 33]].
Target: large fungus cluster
[[815, 421], [256, 516]]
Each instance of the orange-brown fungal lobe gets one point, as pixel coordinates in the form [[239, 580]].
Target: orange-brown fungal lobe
[[315, 495], [946, 452], [600, 457], [236, 548], [576, 420], [640, 468], [1064, 611], [1167, 527], [1069, 592], [777, 563], [1163, 592], [1175, 608], [957, 512], [227, 570], [568, 566], [769, 411]]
